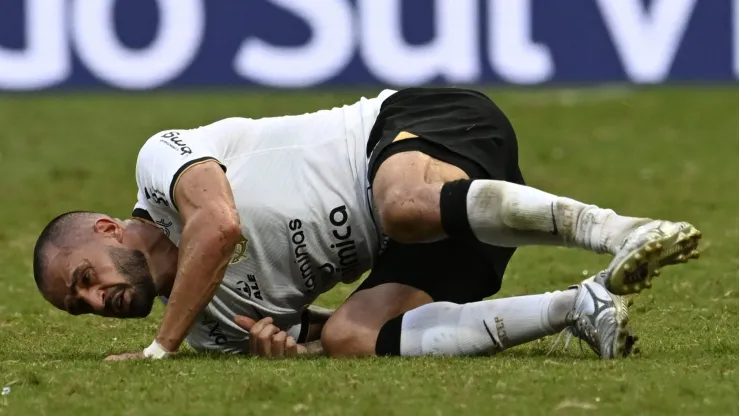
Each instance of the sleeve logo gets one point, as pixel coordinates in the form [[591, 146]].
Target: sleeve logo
[[156, 196], [174, 141]]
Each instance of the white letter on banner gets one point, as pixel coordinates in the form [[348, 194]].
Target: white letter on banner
[[324, 56], [179, 36], [646, 41], [512, 53], [45, 61], [452, 54]]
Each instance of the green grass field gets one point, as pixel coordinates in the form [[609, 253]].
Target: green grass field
[[668, 153]]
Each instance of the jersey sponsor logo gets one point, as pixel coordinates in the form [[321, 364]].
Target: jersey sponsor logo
[[215, 333], [156, 196], [300, 253], [250, 287], [344, 245], [174, 141], [240, 251], [345, 250], [164, 225]]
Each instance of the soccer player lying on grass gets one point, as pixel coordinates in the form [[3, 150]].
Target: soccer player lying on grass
[[258, 217]]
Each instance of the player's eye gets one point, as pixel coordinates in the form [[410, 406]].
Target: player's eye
[[86, 279]]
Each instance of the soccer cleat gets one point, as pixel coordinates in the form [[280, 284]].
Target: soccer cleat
[[645, 250], [601, 320]]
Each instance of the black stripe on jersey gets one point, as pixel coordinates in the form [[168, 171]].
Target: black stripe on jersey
[[182, 170], [142, 214]]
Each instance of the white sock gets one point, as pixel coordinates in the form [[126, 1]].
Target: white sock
[[444, 328], [511, 215]]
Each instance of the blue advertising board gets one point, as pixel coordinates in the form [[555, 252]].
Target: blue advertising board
[[146, 44]]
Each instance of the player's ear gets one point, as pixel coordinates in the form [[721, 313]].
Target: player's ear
[[109, 228]]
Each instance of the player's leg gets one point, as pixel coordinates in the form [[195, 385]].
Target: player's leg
[[378, 321], [393, 313], [416, 204], [422, 198], [353, 328], [588, 311]]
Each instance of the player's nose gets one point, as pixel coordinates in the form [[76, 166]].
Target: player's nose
[[94, 296]]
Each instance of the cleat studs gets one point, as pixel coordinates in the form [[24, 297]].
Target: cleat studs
[[625, 289], [628, 267], [638, 256], [648, 284], [658, 246], [637, 288], [656, 272], [694, 254]]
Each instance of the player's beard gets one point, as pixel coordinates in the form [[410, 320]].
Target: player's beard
[[140, 292]]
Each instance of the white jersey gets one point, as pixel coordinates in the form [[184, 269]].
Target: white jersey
[[300, 187]]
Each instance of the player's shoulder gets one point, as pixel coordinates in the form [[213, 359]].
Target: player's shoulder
[[183, 142]]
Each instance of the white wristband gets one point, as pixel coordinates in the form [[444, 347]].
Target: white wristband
[[155, 351]]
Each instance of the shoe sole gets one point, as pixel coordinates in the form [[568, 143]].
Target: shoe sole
[[637, 270]]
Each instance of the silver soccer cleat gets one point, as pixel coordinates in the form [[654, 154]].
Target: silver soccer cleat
[[601, 320], [645, 251]]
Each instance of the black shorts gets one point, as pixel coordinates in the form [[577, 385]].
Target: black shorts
[[466, 129]]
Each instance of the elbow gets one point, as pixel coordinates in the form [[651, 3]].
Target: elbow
[[231, 231], [229, 227]]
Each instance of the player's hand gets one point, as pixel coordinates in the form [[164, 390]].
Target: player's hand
[[127, 356], [267, 340]]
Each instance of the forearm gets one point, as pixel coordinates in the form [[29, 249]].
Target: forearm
[[205, 250]]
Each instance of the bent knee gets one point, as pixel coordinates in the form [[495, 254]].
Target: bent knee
[[410, 213], [341, 339], [406, 192]]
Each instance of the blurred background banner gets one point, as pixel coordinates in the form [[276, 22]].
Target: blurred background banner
[[147, 44]]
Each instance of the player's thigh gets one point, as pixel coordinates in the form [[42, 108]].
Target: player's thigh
[[353, 328], [426, 137]]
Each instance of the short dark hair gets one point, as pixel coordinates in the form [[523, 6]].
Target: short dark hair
[[56, 234]]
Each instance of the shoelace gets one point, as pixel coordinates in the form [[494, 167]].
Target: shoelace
[[579, 330], [629, 344], [567, 341]]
